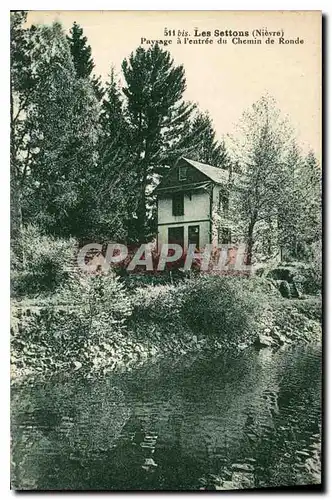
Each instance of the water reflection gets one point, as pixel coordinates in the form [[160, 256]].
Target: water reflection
[[250, 419]]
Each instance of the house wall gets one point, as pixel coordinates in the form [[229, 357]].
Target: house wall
[[215, 215], [196, 207], [204, 233], [196, 212]]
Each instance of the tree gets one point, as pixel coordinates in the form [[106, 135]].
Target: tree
[[115, 129], [260, 150], [309, 202], [64, 133], [288, 205], [22, 85], [82, 58], [116, 195], [156, 113], [204, 145], [299, 208]]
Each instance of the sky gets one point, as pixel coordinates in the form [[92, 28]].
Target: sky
[[224, 79]]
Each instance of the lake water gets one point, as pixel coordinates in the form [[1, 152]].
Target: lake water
[[251, 419]]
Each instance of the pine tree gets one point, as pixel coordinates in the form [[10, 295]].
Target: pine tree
[[204, 145], [82, 58], [114, 126], [154, 88], [116, 196], [80, 51]]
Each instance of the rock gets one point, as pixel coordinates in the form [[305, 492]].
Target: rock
[[243, 467], [226, 485], [265, 341], [77, 365], [284, 289]]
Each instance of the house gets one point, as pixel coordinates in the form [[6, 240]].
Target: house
[[193, 205]]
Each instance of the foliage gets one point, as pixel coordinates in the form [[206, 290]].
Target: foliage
[[102, 296], [21, 88], [116, 196], [156, 113], [65, 119], [299, 213], [54, 132], [224, 307], [259, 151], [203, 145], [159, 303], [82, 327], [45, 264], [277, 191], [298, 320], [80, 51], [82, 58]]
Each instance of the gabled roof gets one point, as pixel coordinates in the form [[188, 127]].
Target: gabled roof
[[218, 175]]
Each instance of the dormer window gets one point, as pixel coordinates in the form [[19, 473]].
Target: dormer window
[[182, 173]]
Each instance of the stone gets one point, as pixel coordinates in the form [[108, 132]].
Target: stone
[[264, 341], [243, 467]]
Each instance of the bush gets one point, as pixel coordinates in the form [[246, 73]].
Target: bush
[[98, 294], [160, 303], [311, 308], [89, 332], [45, 263], [224, 307]]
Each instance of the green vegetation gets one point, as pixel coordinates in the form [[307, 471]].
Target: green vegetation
[[85, 157], [65, 320]]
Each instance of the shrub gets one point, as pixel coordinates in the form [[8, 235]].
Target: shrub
[[45, 263], [98, 294], [224, 307], [160, 303], [84, 325]]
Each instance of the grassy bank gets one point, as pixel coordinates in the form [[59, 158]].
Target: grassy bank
[[97, 323]]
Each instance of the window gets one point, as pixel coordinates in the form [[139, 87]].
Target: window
[[182, 173], [176, 235], [178, 204], [193, 236]]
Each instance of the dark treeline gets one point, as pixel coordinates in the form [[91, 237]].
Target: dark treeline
[[86, 154]]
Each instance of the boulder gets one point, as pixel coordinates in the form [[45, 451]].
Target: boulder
[[265, 341]]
